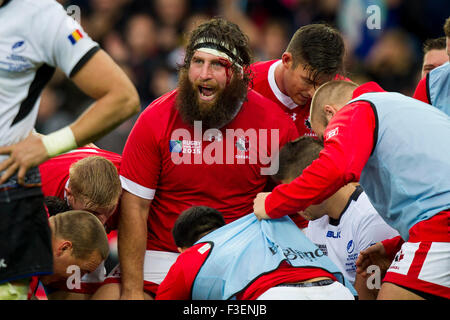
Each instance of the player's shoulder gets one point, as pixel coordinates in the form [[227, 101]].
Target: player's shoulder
[[438, 73], [262, 66], [260, 71], [162, 103], [197, 252], [91, 151], [362, 210], [317, 224], [39, 8], [268, 108]]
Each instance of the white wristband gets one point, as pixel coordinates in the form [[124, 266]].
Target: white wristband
[[59, 141]]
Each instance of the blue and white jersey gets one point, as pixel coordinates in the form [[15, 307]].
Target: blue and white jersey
[[35, 38], [358, 227]]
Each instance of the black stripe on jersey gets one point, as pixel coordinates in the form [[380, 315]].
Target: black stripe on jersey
[[427, 86], [88, 55], [354, 197], [41, 78]]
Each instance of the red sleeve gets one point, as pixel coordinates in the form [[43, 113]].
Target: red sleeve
[[392, 246], [179, 280], [421, 92], [141, 157], [348, 143]]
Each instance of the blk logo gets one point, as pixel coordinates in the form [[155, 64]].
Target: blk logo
[[331, 234]]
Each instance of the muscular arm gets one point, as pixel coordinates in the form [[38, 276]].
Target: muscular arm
[[132, 241], [116, 100]]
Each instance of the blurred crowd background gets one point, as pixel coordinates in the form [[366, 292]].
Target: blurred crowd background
[[146, 38]]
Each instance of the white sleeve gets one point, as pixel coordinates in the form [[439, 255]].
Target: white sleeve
[[64, 43], [372, 229], [137, 189]]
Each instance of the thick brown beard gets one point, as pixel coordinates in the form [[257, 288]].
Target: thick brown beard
[[220, 113]]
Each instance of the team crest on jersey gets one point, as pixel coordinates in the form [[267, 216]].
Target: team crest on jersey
[[294, 116], [399, 256], [243, 144]]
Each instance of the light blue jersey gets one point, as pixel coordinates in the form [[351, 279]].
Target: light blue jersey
[[407, 177], [248, 248], [438, 86]]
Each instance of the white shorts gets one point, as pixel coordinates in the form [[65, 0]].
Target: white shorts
[[334, 291], [156, 266], [422, 266]]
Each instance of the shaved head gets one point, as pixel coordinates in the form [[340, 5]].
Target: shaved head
[[334, 93]]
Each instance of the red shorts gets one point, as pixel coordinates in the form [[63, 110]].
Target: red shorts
[[423, 263]]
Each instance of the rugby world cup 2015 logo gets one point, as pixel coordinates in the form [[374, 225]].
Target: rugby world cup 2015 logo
[[234, 146], [175, 146]]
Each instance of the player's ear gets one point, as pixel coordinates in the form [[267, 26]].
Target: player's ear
[[287, 60], [329, 111], [69, 195], [64, 247]]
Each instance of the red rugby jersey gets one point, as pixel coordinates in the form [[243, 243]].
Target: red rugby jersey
[[151, 167]]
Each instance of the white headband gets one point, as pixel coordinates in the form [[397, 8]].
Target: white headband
[[219, 49]]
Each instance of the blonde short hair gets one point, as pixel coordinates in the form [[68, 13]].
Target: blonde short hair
[[95, 181]]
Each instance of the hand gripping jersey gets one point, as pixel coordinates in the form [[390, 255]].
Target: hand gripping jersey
[[247, 248], [35, 38], [410, 139]]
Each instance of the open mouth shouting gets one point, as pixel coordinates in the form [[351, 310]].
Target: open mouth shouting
[[207, 92]]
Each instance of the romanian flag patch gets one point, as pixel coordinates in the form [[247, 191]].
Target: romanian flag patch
[[75, 36]]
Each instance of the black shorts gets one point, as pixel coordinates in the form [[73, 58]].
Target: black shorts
[[25, 239]]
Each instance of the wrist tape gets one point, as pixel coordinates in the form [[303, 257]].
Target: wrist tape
[[59, 141]]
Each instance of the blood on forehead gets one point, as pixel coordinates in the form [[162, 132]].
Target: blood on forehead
[[227, 65]]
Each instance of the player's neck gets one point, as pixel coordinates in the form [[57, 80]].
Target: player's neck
[[337, 202]]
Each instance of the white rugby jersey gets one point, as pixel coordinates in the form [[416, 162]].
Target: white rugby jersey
[[35, 38], [358, 227]]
